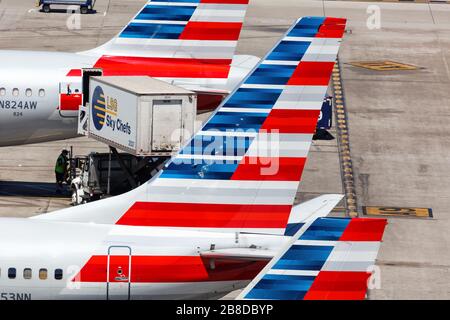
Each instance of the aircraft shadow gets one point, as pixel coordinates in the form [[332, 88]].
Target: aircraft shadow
[[31, 189]]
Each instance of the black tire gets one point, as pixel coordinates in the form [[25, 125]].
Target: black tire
[[46, 8], [84, 10]]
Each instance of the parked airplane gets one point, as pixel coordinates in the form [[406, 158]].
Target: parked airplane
[[190, 43], [210, 221]]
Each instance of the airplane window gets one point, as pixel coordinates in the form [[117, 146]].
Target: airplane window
[[28, 92], [15, 92], [2, 91], [27, 273], [43, 274], [58, 274], [12, 273], [41, 92]]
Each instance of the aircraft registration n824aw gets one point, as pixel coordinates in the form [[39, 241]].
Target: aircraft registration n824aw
[[190, 43], [208, 224]]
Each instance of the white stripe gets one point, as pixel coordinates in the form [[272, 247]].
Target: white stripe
[[217, 13], [228, 133], [299, 105], [293, 272], [281, 62], [222, 191], [159, 21], [352, 256], [301, 97], [249, 110], [315, 243], [208, 157], [305, 39], [158, 3], [175, 42], [280, 145], [225, 184], [262, 86]]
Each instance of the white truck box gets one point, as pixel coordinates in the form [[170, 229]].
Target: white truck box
[[140, 115]]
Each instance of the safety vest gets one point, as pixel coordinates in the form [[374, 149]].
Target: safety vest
[[60, 166]]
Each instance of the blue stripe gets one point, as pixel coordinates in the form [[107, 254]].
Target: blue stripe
[[289, 51], [254, 98], [292, 229], [162, 12], [229, 120], [326, 229], [152, 31], [199, 169], [301, 257], [275, 294], [210, 145], [311, 21], [271, 74]]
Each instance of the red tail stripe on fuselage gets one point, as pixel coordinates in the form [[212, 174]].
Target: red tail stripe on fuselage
[[164, 67], [152, 269], [167, 214]]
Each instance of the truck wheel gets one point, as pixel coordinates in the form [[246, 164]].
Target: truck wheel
[[46, 8], [84, 10]]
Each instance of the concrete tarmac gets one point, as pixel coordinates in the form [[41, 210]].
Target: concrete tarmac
[[397, 121]]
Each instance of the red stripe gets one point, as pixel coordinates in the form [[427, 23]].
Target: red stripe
[[165, 214], [225, 1], [196, 30], [332, 28], [364, 229], [338, 285], [147, 269], [74, 73], [291, 121], [164, 67], [312, 74], [270, 169]]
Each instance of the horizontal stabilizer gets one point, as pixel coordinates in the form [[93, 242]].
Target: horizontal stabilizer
[[250, 254]]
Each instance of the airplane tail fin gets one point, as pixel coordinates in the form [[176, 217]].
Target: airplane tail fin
[[241, 171], [176, 34], [326, 259]]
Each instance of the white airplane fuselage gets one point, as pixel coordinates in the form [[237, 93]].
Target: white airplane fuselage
[[31, 83], [162, 263]]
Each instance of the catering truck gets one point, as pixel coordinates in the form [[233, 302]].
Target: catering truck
[[140, 115], [147, 119], [85, 5]]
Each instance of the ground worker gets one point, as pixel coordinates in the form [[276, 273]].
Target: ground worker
[[61, 169]]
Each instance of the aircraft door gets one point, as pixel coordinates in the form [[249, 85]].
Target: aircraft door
[[118, 273], [70, 98]]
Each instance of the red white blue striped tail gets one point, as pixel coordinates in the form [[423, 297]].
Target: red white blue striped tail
[[327, 259], [176, 39], [242, 170]]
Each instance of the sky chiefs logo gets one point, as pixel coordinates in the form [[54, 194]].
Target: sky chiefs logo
[[98, 108], [104, 111]]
